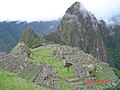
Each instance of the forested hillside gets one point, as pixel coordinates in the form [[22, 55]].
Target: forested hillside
[[11, 31]]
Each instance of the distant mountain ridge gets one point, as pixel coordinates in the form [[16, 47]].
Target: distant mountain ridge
[[10, 31]]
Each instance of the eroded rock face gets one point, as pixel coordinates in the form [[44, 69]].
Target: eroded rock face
[[80, 28]]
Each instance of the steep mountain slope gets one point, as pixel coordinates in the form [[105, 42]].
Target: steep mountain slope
[[111, 37], [7, 41], [113, 46], [80, 28], [30, 38], [11, 31]]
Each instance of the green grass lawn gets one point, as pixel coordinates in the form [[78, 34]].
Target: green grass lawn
[[63, 72], [40, 55], [51, 62], [9, 81], [44, 56]]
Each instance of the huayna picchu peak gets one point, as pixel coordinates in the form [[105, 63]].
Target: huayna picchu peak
[[83, 54], [76, 8], [80, 28]]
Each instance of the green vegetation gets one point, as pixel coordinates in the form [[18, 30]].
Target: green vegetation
[[93, 72], [49, 57], [63, 72], [39, 56], [117, 87], [113, 53], [52, 38], [9, 81], [11, 31], [114, 88], [90, 45], [68, 65], [101, 71], [64, 86], [27, 75], [7, 40], [20, 48], [117, 73], [113, 48], [30, 38]]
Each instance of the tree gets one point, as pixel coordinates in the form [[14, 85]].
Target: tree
[[68, 65]]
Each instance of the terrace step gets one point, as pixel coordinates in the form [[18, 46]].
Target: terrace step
[[7, 61], [77, 83], [2, 55], [28, 69], [34, 73], [13, 65], [70, 77], [74, 80]]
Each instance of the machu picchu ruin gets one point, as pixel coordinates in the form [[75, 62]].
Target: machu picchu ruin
[[45, 66], [82, 54]]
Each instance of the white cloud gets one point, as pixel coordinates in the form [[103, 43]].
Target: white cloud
[[52, 9]]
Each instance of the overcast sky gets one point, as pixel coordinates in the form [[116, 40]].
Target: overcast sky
[[32, 10]]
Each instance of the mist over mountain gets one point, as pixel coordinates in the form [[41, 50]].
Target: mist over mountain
[[10, 31], [115, 19]]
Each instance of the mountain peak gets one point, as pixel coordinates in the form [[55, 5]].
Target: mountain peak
[[76, 5], [79, 6], [76, 9], [30, 38], [80, 28]]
